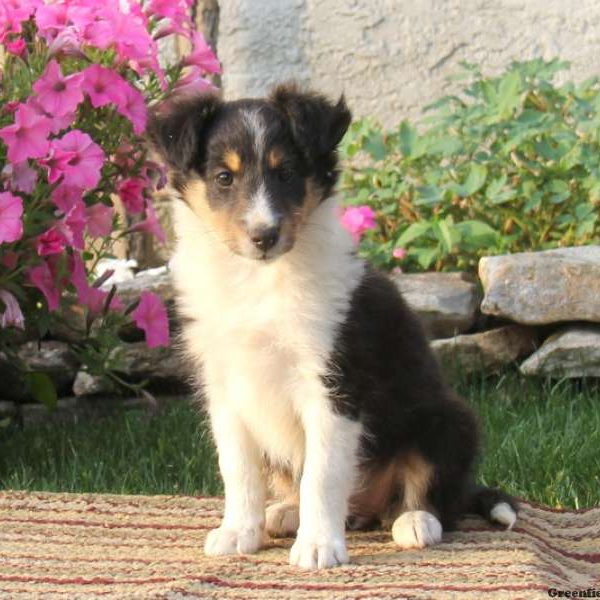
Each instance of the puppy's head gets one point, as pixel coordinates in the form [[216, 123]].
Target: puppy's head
[[253, 170]]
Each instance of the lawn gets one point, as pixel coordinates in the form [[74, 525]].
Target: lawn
[[542, 443]]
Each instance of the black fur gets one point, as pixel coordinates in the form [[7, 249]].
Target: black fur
[[384, 373]]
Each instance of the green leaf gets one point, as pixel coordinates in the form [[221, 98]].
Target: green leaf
[[375, 146], [424, 256], [408, 137], [442, 233], [477, 232], [412, 232], [41, 388]]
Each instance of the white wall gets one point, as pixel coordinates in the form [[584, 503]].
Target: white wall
[[391, 57]]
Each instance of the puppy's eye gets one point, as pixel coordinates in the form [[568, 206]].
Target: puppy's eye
[[224, 178], [285, 173]]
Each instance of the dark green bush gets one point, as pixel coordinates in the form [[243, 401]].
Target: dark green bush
[[511, 163]]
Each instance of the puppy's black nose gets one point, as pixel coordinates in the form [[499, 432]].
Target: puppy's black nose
[[264, 239]]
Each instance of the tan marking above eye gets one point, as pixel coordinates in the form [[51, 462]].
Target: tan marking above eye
[[275, 158], [233, 161]]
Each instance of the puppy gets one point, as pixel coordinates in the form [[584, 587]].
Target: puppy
[[317, 377]]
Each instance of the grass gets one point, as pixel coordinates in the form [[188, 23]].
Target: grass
[[542, 443]]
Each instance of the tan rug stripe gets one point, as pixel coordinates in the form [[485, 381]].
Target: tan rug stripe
[[108, 546]]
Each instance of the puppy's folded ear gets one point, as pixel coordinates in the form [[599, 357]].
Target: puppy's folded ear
[[317, 124], [177, 128]]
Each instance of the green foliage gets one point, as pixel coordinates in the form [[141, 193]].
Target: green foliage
[[512, 163]]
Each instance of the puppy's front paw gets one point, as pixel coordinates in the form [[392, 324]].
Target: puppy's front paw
[[312, 553], [416, 529], [231, 541]]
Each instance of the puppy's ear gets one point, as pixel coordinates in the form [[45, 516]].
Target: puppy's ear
[[177, 127], [317, 124]]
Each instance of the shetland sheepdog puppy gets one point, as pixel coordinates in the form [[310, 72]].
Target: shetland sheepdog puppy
[[324, 398]]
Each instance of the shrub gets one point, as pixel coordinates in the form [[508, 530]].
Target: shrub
[[509, 164], [76, 79]]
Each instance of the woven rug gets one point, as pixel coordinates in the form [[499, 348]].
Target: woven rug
[[106, 546]]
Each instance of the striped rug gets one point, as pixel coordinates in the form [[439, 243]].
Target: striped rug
[[105, 546]]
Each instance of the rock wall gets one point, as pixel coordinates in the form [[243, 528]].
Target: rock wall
[[392, 57]]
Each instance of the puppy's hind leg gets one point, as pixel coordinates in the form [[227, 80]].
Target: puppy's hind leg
[[283, 516], [416, 526]]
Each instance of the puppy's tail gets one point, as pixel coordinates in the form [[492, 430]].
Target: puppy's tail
[[494, 505]]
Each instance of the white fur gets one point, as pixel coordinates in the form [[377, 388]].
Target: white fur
[[257, 129], [260, 213], [416, 529], [504, 514], [262, 335]]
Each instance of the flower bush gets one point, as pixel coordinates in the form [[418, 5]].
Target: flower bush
[[77, 77], [509, 164]]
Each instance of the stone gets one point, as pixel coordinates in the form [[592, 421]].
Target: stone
[[446, 302], [486, 351], [161, 368], [536, 288], [573, 351], [156, 280], [7, 408], [86, 384]]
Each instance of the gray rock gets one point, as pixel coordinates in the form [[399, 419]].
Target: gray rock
[[7, 408], [86, 384], [160, 367], [53, 358], [570, 352], [446, 302], [486, 351], [152, 280], [537, 288]]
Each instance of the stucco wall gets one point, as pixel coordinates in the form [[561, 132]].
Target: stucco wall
[[392, 57]]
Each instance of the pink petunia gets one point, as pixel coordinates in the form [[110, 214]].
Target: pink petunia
[[43, 279], [131, 192], [56, 94], [193, 83], [65, 197], [57, 123], [83, 169], [131, 104], [50, 242], [20, 177], [67, 43], [99, 219], [202, 55], [51, 19], [399, 253], [90, 296], [17, 47], [357, 220], [102, 86], [28, 136], [57, 163], [12, 14], [12, 315], [151, 316], [151, 224], [11, 218], [73, 225]]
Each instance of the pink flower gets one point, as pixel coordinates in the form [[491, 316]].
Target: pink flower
[[17, 47], [12, 315], [56, 123], [51, 18], [28, 136], [102, 85], [151, 316], [90, 296], [67, 43], [151, 224], [57, 162], [65, 197], [99, 219], [193, 83], [11, 221], [73, 225], [21, 177], [50, 242], [83, 168], [130, 104], [56, 94], [43, 279], [177, 11], [399, 253], [357, 220], [202, 55], [131, 192]]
